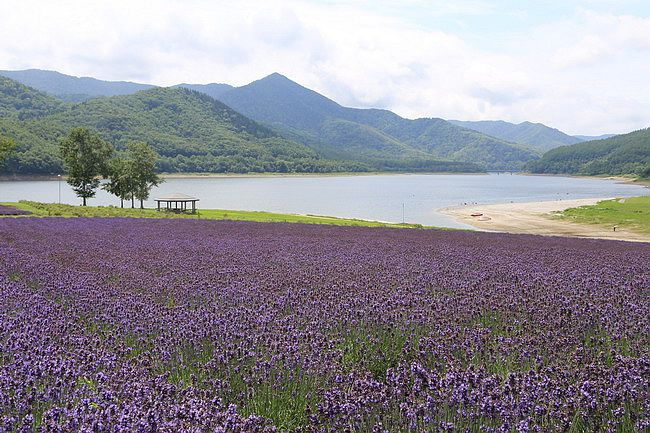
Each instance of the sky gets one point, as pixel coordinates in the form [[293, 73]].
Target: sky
[[580, 66]]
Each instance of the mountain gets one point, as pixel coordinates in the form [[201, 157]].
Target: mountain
[[535, 135], [336, 131], [375, 138], [191, 132], [72, 89], [594, 137], [621, 154], [213, 90]]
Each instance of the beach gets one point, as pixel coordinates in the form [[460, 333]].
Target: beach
[[536, 218]]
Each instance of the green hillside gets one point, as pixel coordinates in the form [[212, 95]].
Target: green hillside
[[21, 102], [190, 131], [324, 125], [444, 140], [621, 154]]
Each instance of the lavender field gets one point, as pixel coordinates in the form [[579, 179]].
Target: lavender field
[[126, 325]]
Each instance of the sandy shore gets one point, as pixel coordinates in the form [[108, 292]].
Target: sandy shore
[[535, 218]]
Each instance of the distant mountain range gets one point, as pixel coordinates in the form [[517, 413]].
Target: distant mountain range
[[283, 126], [72, 89], [594, 137], [536, 135]]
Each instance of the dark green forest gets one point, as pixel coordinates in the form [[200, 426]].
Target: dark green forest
[[618, 155], [190, 131]]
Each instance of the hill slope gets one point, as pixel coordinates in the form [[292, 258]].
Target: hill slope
[[21, 102], [72, 89], [190, 131], [621, 154], [329, 128], [535, 135]]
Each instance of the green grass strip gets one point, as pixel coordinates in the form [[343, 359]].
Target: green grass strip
[[69, 211], [632, 213]]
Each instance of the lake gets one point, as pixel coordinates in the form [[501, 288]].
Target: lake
[[393, 197]]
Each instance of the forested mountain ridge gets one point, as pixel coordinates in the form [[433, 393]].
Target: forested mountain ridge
[[306, 116], [191, 132], [621, 154], [334, 131], [370, 138], [72, 89], [536, 135]]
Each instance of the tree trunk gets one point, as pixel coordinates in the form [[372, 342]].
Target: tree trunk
[[122, 203], [141, 204], [84, 198], [132, 202]]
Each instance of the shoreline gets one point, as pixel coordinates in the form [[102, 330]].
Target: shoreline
[[618, 179], [536, 218], [47, 177]]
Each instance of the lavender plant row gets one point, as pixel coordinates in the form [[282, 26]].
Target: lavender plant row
[[10, 210], [125, 325]]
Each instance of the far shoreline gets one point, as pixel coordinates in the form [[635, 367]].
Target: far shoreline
[[271, 175], [618, 179], [48, 177]]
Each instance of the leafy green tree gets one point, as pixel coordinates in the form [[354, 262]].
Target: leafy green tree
[[7, 145], [646, 171], [120, 181], [142, 167], [85, 158]]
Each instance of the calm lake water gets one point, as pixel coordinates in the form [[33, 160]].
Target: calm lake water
[[376, 197]]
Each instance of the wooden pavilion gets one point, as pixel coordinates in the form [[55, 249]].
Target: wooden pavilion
[[177, 203]]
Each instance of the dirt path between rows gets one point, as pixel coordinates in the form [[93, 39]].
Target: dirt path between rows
[[535, 218]]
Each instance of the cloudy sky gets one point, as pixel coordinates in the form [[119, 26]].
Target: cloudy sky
[[577, 65]]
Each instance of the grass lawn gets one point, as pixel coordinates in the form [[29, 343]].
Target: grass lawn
[[630, 213], [65, 210]]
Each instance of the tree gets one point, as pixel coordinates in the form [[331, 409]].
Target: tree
[[142, 166], [7, 145], [120, 181], [85, 159]]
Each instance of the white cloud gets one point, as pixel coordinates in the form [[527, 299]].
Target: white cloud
[[586, 73]]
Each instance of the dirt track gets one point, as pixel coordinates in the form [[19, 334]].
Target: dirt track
[[535, 218]]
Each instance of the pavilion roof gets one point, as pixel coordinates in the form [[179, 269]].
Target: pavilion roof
[[177, 197]]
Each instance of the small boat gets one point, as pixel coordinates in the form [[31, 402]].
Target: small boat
[[476, 214]]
